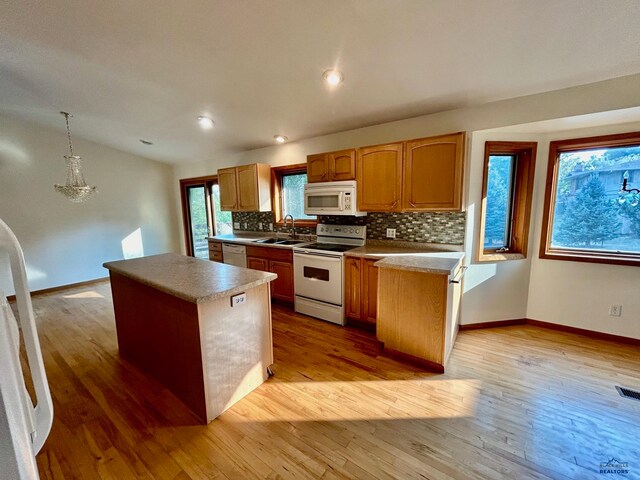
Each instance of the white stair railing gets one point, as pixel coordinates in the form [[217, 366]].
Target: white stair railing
[[16, 403]]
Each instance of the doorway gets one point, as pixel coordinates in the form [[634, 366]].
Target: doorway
[[201, 214]]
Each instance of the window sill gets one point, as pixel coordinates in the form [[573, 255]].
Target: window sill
[[591, 257], [500, 257]]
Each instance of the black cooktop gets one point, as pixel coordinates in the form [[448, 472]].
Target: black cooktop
[[328, 247]]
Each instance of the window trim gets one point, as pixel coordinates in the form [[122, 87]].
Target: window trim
[[573, 254], [521, 203], [276, 192]]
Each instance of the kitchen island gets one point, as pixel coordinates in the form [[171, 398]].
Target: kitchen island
[[201, 328]]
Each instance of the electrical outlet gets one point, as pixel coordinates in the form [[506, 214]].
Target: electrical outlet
[[245, 225], [259, 225], [271, 227], [391, 233], [236, 225], [615, 310], [238, 299]]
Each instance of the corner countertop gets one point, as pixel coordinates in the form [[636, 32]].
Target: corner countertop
[[442, 263], [188, 278], [422, 257]]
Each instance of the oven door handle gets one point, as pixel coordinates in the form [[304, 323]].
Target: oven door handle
[[318, 256]]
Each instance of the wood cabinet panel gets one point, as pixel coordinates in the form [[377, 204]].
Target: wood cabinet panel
[[433, 173], [278, 261], [379, 175], [353, 288], [227, 184], [215, 256], [270, 253], [412, 315], [342, 165], [318, 168], [246, 188], [258, 264], [282, 287], [247, 178], [369, 290]]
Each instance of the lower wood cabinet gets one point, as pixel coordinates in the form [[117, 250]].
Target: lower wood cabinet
[[361, 290], [215, 251], [278, 261]]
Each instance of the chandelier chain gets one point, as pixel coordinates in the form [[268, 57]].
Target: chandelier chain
[[66, 117]]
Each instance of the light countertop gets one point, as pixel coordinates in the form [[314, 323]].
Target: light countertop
[[191, 279], [444, 263]]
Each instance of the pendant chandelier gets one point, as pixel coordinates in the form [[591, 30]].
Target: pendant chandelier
[[76, 189]]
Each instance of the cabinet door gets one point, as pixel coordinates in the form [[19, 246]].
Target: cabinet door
[[342, 165], [282, 287], [318, 168], [369, 291], [227, 184], [258, 264], [248, 188], [353, 288], [433, 173], [379, 174]]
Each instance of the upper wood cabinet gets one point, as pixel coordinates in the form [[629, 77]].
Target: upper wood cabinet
[[433, 173], [332, 166], [228, 191], [246, 188], [379, 175]]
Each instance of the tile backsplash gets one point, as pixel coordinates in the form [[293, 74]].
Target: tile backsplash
[[261, 221], [428, 227]]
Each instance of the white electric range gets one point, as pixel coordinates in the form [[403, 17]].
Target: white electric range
[[319, 271]]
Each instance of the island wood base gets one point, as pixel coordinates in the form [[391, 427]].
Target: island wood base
[[209, 355]]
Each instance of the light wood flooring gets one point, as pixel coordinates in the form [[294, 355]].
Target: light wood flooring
[[516, 402]]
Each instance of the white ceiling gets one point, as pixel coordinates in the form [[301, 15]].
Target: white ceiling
[[131, 69]]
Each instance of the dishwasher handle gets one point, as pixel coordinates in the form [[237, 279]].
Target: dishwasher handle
[[233, 248]]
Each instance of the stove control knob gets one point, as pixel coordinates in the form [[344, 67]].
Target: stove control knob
[[357, 230]]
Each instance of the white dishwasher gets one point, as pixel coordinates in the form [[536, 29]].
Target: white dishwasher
[[234, 254]]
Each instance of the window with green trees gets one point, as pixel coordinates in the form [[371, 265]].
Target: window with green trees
[[506, 205], [587, 215]]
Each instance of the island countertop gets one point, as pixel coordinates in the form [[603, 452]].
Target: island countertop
[[191, 279]]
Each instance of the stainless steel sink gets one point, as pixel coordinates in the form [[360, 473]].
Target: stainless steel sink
[[279, 241], [290, 242], [268, 240]]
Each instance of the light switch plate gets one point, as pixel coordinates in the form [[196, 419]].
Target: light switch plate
[[236, 225], [238, 299], [391, 233]]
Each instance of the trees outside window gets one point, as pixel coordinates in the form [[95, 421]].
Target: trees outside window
[[586, 218]]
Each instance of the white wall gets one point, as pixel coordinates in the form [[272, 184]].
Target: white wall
[[574, 293], [499, 290], [65, 242]]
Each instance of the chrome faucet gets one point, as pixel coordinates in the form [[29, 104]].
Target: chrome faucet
[[292, 230]]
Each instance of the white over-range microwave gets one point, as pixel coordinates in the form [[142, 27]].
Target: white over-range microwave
[[331, 198]]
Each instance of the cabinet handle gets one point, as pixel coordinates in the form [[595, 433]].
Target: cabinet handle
[[460, 273], [393, 205]]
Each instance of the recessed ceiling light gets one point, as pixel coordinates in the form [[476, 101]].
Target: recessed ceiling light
[[333, 77], [205, 123], [146, 142], [280, 138]]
